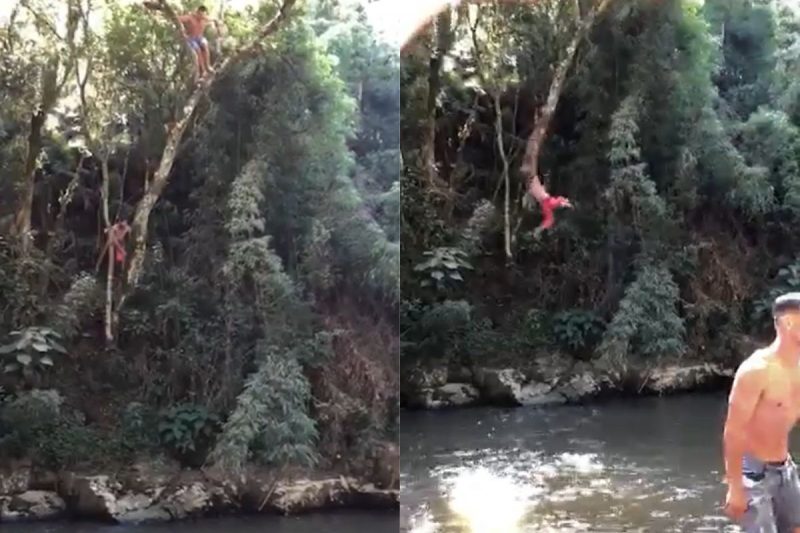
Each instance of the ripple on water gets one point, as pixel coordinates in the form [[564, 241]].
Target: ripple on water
[[516, 490]]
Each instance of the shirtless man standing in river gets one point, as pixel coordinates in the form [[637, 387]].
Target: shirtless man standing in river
[[764, 406]]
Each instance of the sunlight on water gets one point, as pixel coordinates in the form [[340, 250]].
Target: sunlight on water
[[487, 502]]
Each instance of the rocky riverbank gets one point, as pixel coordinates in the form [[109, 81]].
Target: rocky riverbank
[[552, 381], [155, 492]]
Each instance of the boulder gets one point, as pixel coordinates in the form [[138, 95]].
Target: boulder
[[92, 497], [418, 385], [499, 386], [15, 478], [671, 379], [539, 394], [303, 495], [426, 378], [553, 369], [455, 395], [584, 383], [190, 500], [31, 505], [460, 374]]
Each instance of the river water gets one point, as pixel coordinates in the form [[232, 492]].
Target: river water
[[340, 522], [644, 465]]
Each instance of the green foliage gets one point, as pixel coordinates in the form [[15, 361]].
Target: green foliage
[[646, 323], [786, 280], [771, 141], [443, 267], [37, 425], [139, 427], [577, 330], [81, 299], [31, 351], [270, 418], [283, 202], [183, 428]]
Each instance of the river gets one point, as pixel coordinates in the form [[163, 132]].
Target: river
[[339, 522], [643, 465]]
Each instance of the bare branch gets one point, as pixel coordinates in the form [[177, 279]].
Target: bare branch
[[41, 19]]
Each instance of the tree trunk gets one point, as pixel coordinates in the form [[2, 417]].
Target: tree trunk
[[23, 218], [530, 161], [109, 316], [145, 206], [506, 182]]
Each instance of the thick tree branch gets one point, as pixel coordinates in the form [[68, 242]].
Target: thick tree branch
[[530, 162], [145, 206]]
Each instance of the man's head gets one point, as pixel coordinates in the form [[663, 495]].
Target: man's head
[[786, 313], [202, 11]]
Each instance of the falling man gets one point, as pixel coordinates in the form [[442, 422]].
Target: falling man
[[194, 25]]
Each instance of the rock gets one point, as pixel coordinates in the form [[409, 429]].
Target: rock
[[538, 394], [420, 399], [683, 379], [499, 386], [418, 384], [31, 505], [386, 466], [583, 384], [460, 374], [427, 378], [292, 497], [456, 395], [90, 496], [308, 495], [134, 508], [553, 369], [189, 500], [15, 478]]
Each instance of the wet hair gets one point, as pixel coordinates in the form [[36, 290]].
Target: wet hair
[[785, 303], [202, 9]]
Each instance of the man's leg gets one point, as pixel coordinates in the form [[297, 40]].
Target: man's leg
[[206, 56], [198, 66], [760, 514], [787, 502]]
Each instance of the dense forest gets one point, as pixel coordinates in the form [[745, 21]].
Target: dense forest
[[253, 320], [677, 139]]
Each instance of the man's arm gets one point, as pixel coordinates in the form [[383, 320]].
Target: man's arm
[[745, 393]]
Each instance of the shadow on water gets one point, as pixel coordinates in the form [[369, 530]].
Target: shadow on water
[[651, 464], [339, 522]]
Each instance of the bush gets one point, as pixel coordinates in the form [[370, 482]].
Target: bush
[[577, 331], [139, 427], [37, 425], [188, 431], [31, 351]]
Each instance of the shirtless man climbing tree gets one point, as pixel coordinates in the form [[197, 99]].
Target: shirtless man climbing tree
[[764, 406], [195, 26]]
